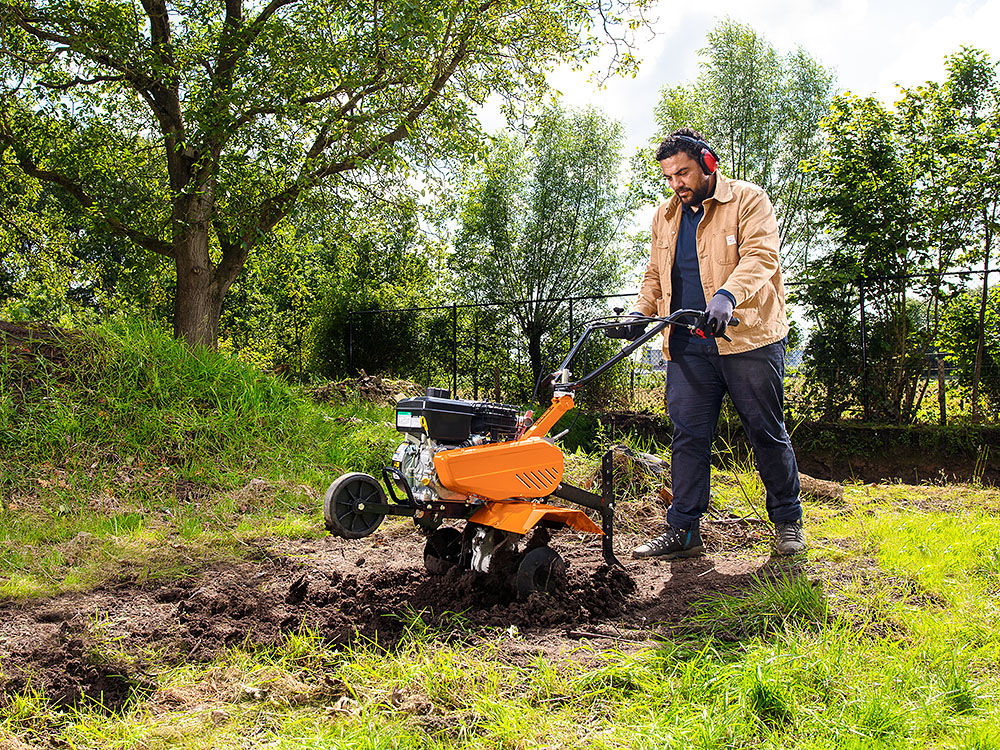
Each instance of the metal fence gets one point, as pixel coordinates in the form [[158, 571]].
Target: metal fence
[[480, 351]]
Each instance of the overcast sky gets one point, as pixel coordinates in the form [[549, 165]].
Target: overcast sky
[[872, 45]]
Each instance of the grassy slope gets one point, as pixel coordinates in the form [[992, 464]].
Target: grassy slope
[[120, 449], [152, 452]]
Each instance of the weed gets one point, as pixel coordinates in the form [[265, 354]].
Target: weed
[[958, 692], [770, 604], [764, 698]]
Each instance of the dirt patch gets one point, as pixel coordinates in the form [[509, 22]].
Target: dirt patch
[[76, 646], [371, 388]]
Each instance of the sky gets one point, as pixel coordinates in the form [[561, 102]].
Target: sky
[[871, 45]]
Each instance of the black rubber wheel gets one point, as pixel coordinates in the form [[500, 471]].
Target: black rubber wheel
[[346, 505], [443, 550], [541, 569]]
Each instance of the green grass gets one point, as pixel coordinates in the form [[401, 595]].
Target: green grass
[[810, 688], [137, 458], [125, 441]]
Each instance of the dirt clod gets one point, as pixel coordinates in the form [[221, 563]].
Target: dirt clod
[[56, 644]]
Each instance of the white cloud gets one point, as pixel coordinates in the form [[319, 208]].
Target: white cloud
[[871, 45]]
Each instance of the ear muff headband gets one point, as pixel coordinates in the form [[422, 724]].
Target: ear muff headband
[[707, 158]]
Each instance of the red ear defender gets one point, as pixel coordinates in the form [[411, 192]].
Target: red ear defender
[[708, 161]]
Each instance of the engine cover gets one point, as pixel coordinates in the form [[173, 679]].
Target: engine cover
[[452, 420], [532, 467]]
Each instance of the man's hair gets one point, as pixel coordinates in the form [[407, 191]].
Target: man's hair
[[672, 145]]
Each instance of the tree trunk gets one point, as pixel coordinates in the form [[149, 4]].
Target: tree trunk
[[200, 288], [198, 301], [535, 352]]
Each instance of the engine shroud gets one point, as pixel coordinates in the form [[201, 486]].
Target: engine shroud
[[453, 421]]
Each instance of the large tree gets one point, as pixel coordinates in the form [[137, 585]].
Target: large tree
[[543, 220], [193, 127], [761, 112]]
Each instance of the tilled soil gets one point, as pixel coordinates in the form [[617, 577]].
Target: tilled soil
[[347, 590]]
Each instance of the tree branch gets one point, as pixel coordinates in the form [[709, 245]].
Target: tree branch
[[68, 42], [77, 81], [29, 167]]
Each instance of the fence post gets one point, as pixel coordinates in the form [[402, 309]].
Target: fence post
[[942, 401], [454, 350], [475, 356], [350, 343], [571, 323], [631, 363], [864, 351]]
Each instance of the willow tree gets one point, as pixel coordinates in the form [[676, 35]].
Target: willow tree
[[761, 111], [193, 127], [543, 220]]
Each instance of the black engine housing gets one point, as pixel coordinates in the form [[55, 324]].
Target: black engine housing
[[451, 420]]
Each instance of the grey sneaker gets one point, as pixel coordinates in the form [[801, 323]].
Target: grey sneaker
[[672, 544], [789, 539]]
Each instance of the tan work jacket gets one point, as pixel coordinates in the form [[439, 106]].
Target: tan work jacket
[[737, 242]]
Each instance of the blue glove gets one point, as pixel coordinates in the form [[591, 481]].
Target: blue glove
[[717, 315], [627, 331]]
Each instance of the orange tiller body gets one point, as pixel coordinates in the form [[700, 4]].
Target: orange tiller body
[[504, 473]]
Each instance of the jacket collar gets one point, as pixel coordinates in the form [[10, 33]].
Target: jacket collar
[[723, 194]]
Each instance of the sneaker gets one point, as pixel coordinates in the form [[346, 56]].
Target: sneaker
[[788, 538], [672, 544]]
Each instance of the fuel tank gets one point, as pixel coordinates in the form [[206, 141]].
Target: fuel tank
[[530, 467]]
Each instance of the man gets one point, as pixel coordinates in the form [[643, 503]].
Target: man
[[715, 248]]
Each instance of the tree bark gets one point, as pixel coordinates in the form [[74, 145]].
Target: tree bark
[[200, 290], [198, 301], [535, 351]]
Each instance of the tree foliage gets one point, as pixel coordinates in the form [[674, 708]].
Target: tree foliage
[[192, 128], [894, 188], [543, 220], [376, 258], [961, 334], [760, 111]]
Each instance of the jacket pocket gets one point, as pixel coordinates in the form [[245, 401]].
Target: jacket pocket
[[749, 312], [725, 250]]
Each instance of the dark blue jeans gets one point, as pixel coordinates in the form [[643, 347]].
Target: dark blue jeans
[[697, 380]]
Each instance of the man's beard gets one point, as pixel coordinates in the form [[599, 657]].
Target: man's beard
[[697, 196]]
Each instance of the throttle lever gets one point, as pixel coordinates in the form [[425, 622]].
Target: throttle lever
[[697, 330]]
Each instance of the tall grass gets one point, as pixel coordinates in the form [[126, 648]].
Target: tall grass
[[116, 441], [130, 393]]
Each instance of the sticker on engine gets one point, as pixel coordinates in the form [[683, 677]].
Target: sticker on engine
[[397, 457], [407, 420]]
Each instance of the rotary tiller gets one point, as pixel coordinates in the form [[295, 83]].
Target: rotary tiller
[[492, 468]]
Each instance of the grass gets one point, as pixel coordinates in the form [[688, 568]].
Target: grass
[[124, 452], [811, 688], [887, 635]]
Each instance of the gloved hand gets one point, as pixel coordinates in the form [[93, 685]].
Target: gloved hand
[[718, 313], [627, 331]]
